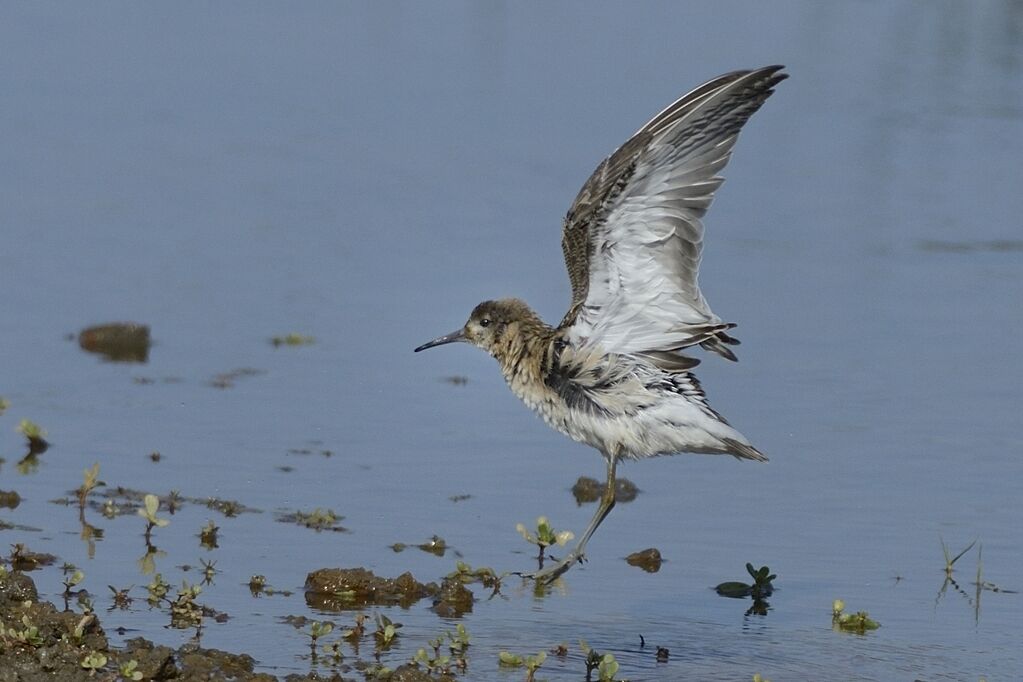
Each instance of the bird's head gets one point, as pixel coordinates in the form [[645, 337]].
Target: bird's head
[[493, 326]]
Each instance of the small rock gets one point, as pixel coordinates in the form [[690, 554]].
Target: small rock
[[648, 559]]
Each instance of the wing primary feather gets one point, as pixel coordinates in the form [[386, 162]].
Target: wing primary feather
[[633, 237]]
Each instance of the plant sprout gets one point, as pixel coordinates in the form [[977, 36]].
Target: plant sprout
[[148, 512], [859, 622], [545, 536]]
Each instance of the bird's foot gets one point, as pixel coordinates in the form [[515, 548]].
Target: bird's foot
[[552, 572]]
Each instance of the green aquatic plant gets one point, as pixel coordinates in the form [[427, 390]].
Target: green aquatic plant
[[532, 663], [28, 636], [121, 598], [4, 404], [257, 584], [607, 669], [151, 504], [292, 340], [604, 665], [762, 584], [209, 569], [435, 545], [386, 632], [318, 629], [185, 611], [318, 519], [208, 535], [128, 670], [31, 430], [486, 576], [439, 664], [353, 635], [859, 622], [70, 581], [90, 480], [545, 536], [951, 560], [94, 661], [158, 589], [459, 640]]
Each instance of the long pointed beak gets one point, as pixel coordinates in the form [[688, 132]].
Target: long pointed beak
[[441, 340]]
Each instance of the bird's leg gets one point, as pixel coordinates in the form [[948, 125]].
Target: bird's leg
[[607, 503]]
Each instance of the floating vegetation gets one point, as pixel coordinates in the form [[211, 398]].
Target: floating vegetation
[[35, 435], [117, 342], [648, 559], [859, 622], [443, 664], [121, 598], [208, 535], [227, 379], [435, 545], [22, 558], [9, 499], [456, 380], [318, 519], [118, 500], [763, 585], [460, 498], [531, 663], [4, 404], [292, 339]]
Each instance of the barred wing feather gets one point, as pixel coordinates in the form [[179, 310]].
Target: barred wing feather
[[633, 237]]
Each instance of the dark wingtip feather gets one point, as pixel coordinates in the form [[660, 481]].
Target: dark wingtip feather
[[743, 451], [714, 344]]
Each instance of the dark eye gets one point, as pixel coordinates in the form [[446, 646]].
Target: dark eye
[[485, 322]]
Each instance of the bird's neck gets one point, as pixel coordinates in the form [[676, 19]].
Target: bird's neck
[[524, 351]]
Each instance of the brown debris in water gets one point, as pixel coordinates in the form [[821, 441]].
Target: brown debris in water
[[347, 588], [648, 559], [453, 600], [117, 341], [10, 499], [24, 559]]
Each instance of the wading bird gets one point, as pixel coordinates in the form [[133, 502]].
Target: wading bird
[[612, 374]]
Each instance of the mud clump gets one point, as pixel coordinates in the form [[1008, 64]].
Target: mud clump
[[9, 499], [41, 643], [117, 342], [648, 559], [453, 599], [348, 588]]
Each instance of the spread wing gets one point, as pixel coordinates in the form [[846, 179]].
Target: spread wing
[[633, 237]]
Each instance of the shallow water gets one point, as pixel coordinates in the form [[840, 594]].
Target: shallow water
[[366, 173]]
